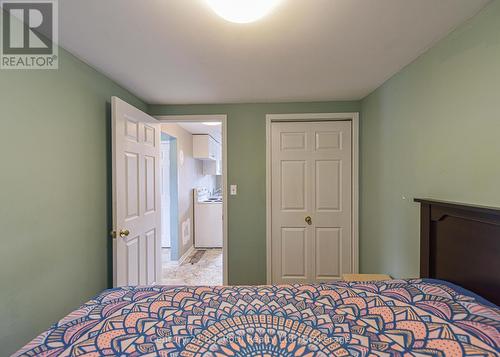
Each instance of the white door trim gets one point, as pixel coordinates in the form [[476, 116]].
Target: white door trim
[[207, 118], [354, 118]]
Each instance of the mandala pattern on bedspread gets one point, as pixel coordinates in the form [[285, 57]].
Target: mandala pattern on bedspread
[[340, 319]]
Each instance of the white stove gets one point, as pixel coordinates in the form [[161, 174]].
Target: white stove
[[202, 195]]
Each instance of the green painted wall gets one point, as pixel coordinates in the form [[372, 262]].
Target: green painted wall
[[246, 130], [54, 130], [433, 130]]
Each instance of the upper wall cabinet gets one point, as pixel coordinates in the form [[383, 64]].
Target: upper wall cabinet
[[205, 147], [211, 167]]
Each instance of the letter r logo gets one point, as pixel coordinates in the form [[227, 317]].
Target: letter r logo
[[27, 28]]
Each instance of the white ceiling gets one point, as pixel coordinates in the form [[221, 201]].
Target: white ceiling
[[179, 51], [200, 128]]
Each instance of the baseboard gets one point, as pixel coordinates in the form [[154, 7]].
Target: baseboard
[[186, 255]]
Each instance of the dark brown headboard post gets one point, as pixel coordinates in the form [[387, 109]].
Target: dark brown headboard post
[[460, 243], [425, 226]]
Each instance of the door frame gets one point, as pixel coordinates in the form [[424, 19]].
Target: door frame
[[354, 119], [223, 119]]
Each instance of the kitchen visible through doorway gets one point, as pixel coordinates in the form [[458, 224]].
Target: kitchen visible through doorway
[[192, 202]]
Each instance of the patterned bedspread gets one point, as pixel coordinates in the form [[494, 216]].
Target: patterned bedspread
[[397, 317]]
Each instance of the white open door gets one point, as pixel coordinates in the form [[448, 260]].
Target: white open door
[[136, 196]]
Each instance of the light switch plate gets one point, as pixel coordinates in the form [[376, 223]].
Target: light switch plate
[[233, 190]]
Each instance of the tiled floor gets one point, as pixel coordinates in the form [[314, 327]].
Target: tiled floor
[[208, 271]]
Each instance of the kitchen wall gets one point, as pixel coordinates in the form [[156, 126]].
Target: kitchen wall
[[431, 131], [54, 190], [190, 176], [246, 159]]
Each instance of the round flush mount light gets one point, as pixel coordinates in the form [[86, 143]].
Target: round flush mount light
[[242, 11]]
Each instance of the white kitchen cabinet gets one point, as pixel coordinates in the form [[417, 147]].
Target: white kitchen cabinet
[[208, 225], [205, 147], [211, 167]]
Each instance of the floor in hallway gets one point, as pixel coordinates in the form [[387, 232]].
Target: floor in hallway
[[208, 271]]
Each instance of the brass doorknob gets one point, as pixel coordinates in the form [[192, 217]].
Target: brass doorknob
[[124, 233], [309, 220]]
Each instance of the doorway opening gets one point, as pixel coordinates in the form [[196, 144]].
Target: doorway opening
[[192, 200]]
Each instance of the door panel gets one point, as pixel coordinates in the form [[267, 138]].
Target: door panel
[[132, 184], [328, 181], [132, 260], [293, 253], [132, 130], [150, 190], [327, 140], [333, 199], [293, 185], [151, 263], [291, 200], [293, 141], [311, 176], [328, 253], [149, 135], [136, 196]]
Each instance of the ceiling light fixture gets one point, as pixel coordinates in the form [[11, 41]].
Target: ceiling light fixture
[[212, 123], [242, 11]]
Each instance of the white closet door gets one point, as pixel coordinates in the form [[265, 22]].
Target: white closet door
[[311, 165]]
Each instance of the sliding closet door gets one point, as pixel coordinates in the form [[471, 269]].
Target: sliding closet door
[[311, 170]]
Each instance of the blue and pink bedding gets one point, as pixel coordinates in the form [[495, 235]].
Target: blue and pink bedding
[[397, 317]]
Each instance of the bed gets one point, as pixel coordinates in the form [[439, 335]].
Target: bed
[[417, 317]]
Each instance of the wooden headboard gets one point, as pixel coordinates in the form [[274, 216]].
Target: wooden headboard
[[461, 243]]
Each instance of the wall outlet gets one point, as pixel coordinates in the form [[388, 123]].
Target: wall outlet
[[233, 190]]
